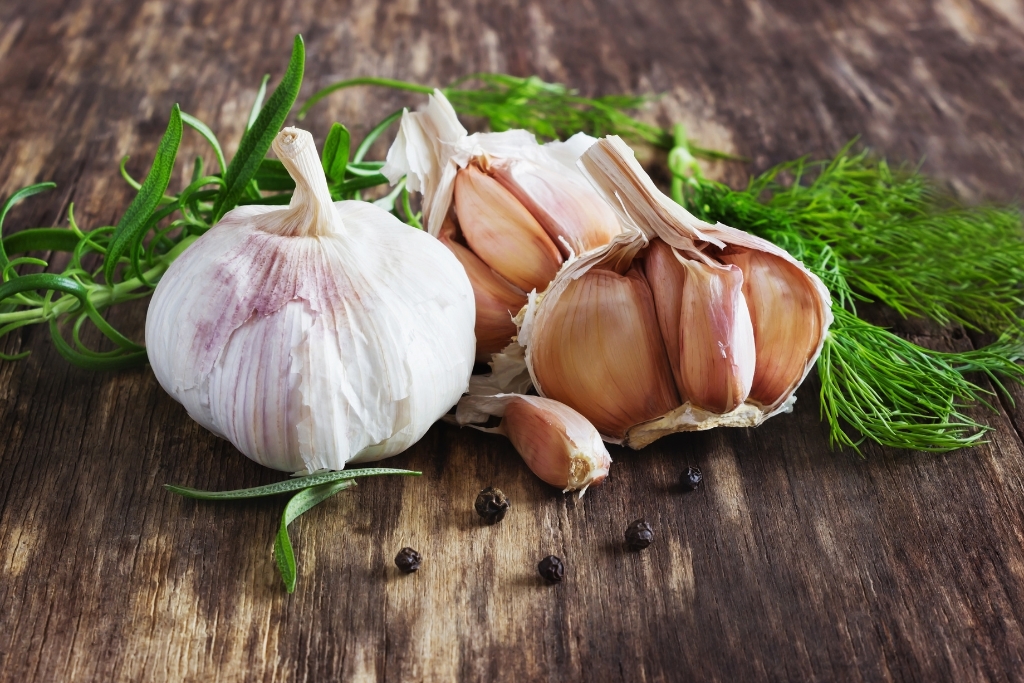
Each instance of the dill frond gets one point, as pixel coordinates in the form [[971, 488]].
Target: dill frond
[[551, 111], [873, 233]]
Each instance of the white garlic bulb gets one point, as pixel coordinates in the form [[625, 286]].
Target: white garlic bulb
[[316, 334]]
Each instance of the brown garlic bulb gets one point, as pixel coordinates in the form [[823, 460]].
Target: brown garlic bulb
[[677, 325]]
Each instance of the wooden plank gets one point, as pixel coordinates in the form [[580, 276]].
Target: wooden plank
[[794, 562]]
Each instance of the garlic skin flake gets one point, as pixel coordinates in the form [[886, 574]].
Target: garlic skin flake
[[317, 334], [557, 443], [520, 208], [739, 321]]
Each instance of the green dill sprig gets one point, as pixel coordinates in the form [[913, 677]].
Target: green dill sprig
[[899, 394], [873, 233], [549, 110]]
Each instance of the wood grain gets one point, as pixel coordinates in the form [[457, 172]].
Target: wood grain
[[793, 563]]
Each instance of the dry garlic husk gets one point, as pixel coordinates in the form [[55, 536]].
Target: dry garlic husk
[[676, 325], [512, 210], [316, 334], [557, 443]]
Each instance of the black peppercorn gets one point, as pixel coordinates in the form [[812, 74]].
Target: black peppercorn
[[691, 479], [408, 560], [492, 505], [552, 569], [639, 535]]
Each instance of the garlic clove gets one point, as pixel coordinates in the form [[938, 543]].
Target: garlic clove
[[497, 301], [785, 311], [716, 338], [500, 230], [574, 216], [599, 352], [666, 275], [557, 443]]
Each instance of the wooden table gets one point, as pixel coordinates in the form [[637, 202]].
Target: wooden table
[[793, 563]]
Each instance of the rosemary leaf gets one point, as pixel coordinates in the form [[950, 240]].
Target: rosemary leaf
[[40, 239], [208, 135], [136, 218], [293, 484], [300, 503], [23, 193], [257, 104], [258, 138], [334, 155], [273, 176]]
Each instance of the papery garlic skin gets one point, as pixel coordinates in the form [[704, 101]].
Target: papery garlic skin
[[522, 208], [742, 321], [317, 334], [557, 443]]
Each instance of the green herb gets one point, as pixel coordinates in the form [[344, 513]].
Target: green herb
[[259, 136], [334, 155], [549, 110], [110, 265], [133, 224], [23, 193], [311, 490], [293, 484], [873, 233], [300, 503]]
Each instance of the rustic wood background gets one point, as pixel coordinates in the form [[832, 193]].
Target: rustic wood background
[[794, 563]]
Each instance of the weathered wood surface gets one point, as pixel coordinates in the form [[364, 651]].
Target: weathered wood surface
[[794, 563]]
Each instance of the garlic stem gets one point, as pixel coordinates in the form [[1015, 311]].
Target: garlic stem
[[311, 212]]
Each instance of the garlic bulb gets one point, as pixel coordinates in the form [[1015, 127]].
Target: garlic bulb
[[510, 209], [557, 443], [676, 325], [316, 334]]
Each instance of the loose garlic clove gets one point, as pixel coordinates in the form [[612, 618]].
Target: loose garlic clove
[[500, 230], [666, 275], [716, 338], [785, 313], [600, 353], [558, 444], [497, 302], [574, 216]]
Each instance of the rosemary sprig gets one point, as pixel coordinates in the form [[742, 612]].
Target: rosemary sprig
[[311, 490], [110, 265]]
